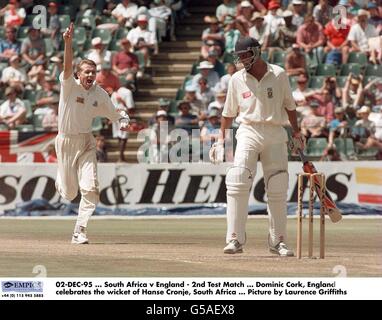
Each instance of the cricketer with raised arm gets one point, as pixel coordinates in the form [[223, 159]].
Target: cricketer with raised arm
[[81, 100]]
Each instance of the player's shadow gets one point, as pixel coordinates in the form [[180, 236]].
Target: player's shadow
[[159, 243]]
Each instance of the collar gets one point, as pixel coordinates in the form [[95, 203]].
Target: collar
[[269, 70]]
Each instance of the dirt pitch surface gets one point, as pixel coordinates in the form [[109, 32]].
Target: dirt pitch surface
[[177, 247]]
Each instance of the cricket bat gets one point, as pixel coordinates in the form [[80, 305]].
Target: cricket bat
[[328, 204]]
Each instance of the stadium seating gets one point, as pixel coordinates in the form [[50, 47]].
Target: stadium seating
[[66, 10], [341, 81], [345, 146], [79, 36], [29, 19], [22, 33], [316, 82], [278, 57], [228, 58], [179, 94], [373, 70], [49, 50], [120, 33], [264, 55], [187, 80], [328, 70], [173, 110], [65, 21], [28, 106], [367, 154], [194, 68], [368, 79], [25, 127], [104, 34], [87, 22], [3, 65], [348, 68], [311, 62], [108, 19], [87, 44], [114, 45], [315, 148], [358, 57], [293, 82], [30, 95], [86, 29], [37, 122]]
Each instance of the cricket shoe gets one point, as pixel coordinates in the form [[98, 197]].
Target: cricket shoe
[[80, 238], [233, 247], [281, 249]]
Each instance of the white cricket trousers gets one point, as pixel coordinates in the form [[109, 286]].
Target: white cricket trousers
[[77, 168], [270, 143]]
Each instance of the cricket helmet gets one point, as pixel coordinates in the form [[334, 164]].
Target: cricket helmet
[[245, 45]]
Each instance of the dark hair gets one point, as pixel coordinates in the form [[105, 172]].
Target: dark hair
[[331, 151], [12, 29]]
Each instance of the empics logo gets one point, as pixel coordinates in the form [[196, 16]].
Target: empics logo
[[7, 285], [22, 286]]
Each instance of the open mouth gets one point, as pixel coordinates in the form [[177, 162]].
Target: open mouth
[[89, 81]]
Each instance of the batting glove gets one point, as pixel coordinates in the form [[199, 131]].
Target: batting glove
[[297, 142], [217, 153]]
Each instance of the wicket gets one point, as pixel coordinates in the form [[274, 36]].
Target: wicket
[[300, 185]]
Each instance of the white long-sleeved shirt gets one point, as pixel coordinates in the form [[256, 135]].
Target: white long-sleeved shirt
[[78, 106]]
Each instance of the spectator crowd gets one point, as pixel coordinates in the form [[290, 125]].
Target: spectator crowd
[[333, 60], [333, 63]]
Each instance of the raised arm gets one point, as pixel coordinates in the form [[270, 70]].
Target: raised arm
[[68, 52], [345, 91], [358, 101]]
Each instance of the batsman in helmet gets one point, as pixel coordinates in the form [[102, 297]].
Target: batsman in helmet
[[260, 98]]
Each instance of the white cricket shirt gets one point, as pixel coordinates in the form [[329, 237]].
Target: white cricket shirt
[[131, 11], [78, 107], [252, 101], [8, 108], [12, 74], [135, 34], [361, 36]]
